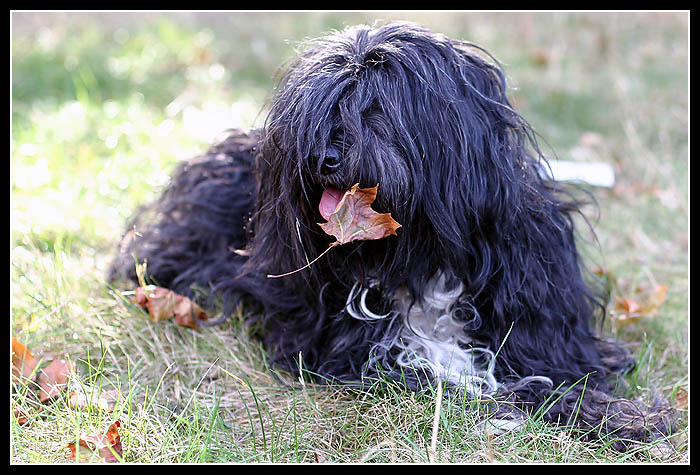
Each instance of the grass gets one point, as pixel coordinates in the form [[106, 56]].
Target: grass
[[104, 105]]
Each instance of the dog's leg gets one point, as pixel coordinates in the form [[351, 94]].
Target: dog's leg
[[553, 337]]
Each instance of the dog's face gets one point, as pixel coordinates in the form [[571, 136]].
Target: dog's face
[[424, 118]]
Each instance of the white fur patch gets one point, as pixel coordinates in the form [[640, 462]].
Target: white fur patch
[[431, 339]]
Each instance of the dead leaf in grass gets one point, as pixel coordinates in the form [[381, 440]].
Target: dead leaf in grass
[[53, 379], [107, 447], [163, 304], [681, 399], [23, 362], [657, 298], [630, 310], [21, 415]]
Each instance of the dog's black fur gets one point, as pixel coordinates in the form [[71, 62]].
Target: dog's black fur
[[428, 120]]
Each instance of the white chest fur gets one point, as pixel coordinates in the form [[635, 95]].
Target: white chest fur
[[431, 339]]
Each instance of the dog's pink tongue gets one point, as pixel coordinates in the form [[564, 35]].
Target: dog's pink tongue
[[329, 201]]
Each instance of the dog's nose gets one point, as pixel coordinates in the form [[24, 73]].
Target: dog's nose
[[330, 164]]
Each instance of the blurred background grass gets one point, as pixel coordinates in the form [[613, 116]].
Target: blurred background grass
[[105, 104]]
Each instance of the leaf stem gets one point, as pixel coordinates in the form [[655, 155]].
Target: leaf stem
[[332, 245]]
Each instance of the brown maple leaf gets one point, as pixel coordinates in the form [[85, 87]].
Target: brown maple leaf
[[163, 304], [50, 381], [630, 311], [107, 447], [23, 361], [53, 379], [354, 220]]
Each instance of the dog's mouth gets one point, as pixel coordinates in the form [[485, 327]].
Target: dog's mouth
[[329, 201]]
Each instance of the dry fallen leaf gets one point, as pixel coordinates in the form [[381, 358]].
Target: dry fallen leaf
[[21, 415], [658, 297], [163, 304], [187, 313], [159, 302], [354, 219], [630, 311], [681, 399], [23, 362], [104, 446], [53, 379]]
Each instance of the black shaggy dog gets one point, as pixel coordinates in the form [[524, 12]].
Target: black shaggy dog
[[482, 288]]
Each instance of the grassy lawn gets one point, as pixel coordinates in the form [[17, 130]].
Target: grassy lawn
[[103, 107]]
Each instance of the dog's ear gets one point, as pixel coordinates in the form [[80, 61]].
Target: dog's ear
[[476, 153]]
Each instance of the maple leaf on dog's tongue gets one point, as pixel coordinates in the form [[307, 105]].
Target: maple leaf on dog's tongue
[[355, 220], [351, 218]]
